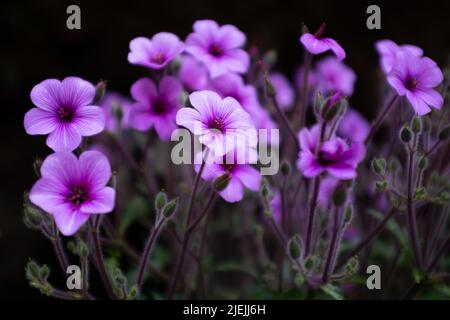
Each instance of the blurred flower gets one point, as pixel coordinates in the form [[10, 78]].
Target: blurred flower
[[416, 77], [388, 51], [354, 126], [155, 107], [276, 207], [326, 189], [155, 53], [237, 164], [333, 75], [193, 74], [72, 189], [222, 124], [64, 112], [283, 89], [218, 47], [316, 44], [334, 156], [117, 111]]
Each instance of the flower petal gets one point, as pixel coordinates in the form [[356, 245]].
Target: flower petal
[[308, 166], [249, 176], [89, 120], [61, 166], [418, 103], [234, 192], [94, 169], [68, 222], [144, 90], [48, 194], [65, 138], [102, 201], [39, 121], [76, 92], [343, 171], [45, 95]]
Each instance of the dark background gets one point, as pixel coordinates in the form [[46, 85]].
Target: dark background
[[36, 45]]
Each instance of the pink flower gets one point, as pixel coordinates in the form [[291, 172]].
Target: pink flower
[[354, 126], [316, 44], [218, 47], [334, 156], [112, 105], [333, 75], [64, 112], [72, 189], [193, 74], [388, 51], [416, 77], [155, 107], [285, 93], [221, 124], [155, 53], [237, 164]]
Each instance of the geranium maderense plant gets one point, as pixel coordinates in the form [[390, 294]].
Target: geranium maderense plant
[[166, 192]]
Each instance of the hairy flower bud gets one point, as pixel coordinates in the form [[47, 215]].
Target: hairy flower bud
[[160, 200], [420, 193], [83, 249], [285, 168], [271, 92], [422, 162], [294, 247], [170, 208], [37, 167], [222, 182], [426, 123], [416, 125], [379, 166], [405, 134], [100, 90], [381, 185], [133, 293]]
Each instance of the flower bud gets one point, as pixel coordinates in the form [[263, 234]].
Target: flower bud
[[170, 208], [160, 200], [445, 133], [265, 191], [83, 249], [318, 103], [268, 213], [339, 196], [381, 185], [133, 293], [294, 249], [420, 193], [426, 123], [299, 279], [379, 166], [119, 278], [32, 270], [405, 134], [394, 165], [271, 92], [348, 215], [44, 272], [32, 217], [443, 198], [422, 162], [285, 168], [116, 110], [351, 266], [100, 90], [416, 125], [222, 182], [37, 167]]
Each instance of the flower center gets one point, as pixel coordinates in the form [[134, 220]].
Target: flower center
[[324, 160], [65, 114], [159, 107], [158, 58], [215, 50], [78, 195], [411, 83], [217, 123]]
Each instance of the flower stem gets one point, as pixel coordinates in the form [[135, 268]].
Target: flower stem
[[304, 95], [285, 121], [59, 249], [311, 213], [411, 215], [332, 250], [190, 229], [379, 120], [147, 250], [95, 229]]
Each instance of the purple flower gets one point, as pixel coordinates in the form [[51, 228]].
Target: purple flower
[[333, 156], [232, 85], [316, 44], [237, 164], [218, 47], [354, 126], [333, 75], [221, 124], [155, 107], [193, 74], [276, 206], [416, 77], [155, 53], [64, 112], [285, 93], [326, 189], [114, 104], [72, 189], [388, 51]]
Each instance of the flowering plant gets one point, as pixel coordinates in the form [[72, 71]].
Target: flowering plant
[[281, 189]]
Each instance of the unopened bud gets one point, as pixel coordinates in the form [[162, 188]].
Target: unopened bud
[[44, 272], [426, 123], [348, 214], [416, 125], [83, 249], [285, 168], [422, 163], [37, 167], [271, 92], [293, 246], [381, 186], [160, 200], [379, 166], [100, 90], [420, 193], [170, 208], [133, 293], [405, 134]]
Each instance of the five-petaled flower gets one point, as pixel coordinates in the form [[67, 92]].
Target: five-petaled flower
[[72, 189], [64, 112], [155, 107], [316, 44], [221, 124], [333, 156], [333, 75], [155, 53], [236, 163], [416, 77], [218, 47]]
